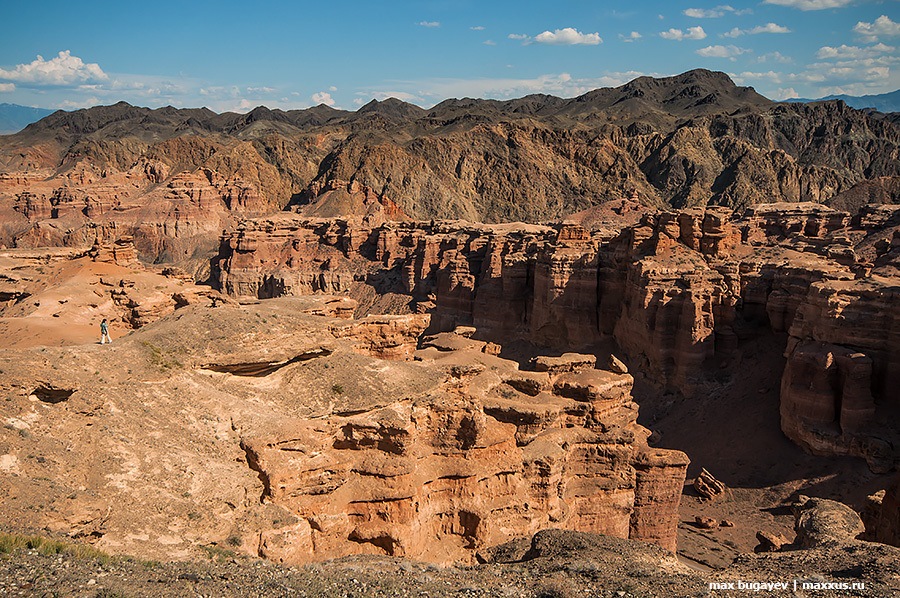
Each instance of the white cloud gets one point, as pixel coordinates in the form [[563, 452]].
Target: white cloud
[[810, 4], [775, 57], [429, 23], [322, 97], [261, 89], [722, 52], [7, 87], [634, 35], [477, 28], [332, 88], [679, 35], [518, 36], [883, 26], [785, 93], [767, 28], [843, 69], [845, 52], [568, 37], [714, 13], [748, 76], [64, 69]]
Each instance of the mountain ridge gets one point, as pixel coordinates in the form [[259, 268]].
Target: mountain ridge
[[688, 140]]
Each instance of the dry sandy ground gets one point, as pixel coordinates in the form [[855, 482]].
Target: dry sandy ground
[[63, 296]]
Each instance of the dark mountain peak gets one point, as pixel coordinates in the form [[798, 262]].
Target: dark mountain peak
[[695, 83], [261, 113], [706, 76], [392, 108], [885, 102]]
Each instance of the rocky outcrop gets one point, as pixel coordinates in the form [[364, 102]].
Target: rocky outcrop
[[469, 465], [840, 377], [882, 515], [820, 522]]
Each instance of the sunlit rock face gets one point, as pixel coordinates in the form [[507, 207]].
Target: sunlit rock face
[[490, 454]]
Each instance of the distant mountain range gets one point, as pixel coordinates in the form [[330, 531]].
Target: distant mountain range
[[14, 118], [885, 102], [693, 139]]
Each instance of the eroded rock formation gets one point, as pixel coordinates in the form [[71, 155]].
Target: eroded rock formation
[[356, 441], [676, 291], [470, 464]]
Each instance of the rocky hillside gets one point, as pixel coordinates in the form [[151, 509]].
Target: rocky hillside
[[689, 140]]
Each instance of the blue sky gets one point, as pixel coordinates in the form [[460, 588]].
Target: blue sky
[[237, 55]]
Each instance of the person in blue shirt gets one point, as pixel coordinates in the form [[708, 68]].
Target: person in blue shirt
[[104, 332]]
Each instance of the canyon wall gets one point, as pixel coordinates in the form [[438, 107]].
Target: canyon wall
[[676, 291]]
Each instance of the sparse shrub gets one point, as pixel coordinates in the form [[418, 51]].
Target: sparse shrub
[[337, 389], [214, 552], [161, 359], [12, 543], [234, 541]]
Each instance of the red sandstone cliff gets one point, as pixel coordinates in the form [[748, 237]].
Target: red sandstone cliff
[[490, 454], [676, 291]]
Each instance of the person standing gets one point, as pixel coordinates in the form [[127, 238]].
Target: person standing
[[104, 332]]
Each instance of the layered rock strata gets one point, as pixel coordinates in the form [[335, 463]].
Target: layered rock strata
[[492, 453], [676, 291]]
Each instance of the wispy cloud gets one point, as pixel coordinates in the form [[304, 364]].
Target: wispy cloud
[[729, 52], [679, 35], [883, 26], [477, 28], [568, 37], [7, 87], [429, 24], [843, 69], [785, 93], [489, 42], [62, 70], [775, 57], [518, 36], [810, 4], [767, 28], [633, 36], [714, 13], [430, 91]]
